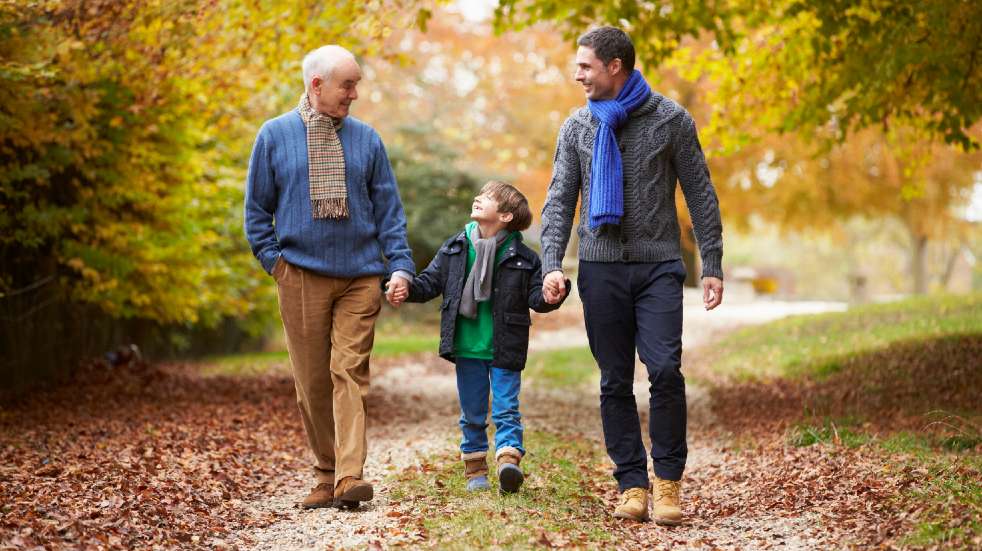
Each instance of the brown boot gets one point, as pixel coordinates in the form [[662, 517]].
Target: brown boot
[[510, 475], [351, 491], [633, 505], [321, 496], [476, 470], [665, 502]]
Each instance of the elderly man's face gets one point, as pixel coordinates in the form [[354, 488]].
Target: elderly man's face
[[596, 78], [333, 96]]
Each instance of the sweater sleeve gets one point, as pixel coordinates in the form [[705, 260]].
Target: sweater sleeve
[[390, 219], [260, 205], [560, 206], [700, 196]]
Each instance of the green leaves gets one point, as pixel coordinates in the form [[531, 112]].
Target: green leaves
[[125, 128], [810, 66]]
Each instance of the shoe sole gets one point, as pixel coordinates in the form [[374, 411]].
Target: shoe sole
[[511, 480], [478, 487], [667, 522], [626, 516], [327, 505], [353, 497]]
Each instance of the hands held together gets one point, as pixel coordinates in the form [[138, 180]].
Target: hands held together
[[554, 287], [396, 291]]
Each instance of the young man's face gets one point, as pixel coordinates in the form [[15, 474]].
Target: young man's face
[[596, 78]]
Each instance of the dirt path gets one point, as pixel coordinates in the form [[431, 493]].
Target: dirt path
[[423, 394]]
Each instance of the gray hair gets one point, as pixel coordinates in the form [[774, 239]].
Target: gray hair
[[322, 62]]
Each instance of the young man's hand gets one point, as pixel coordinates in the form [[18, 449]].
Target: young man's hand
[[554, 287], [712, 292]]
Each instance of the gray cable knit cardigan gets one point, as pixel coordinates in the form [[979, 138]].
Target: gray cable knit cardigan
[[659, 146]]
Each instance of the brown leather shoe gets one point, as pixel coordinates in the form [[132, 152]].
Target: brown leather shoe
[[633, 505], [351, 491], [321, 496], [666, 502]]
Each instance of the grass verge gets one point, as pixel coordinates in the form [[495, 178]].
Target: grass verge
[[819, 345], [557, 505], [565, 367], [897, 382], [262, 363]]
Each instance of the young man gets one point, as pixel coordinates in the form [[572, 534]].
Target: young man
[[622, 154], [321, 210]]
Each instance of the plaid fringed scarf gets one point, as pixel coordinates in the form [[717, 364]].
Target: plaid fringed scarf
[[325, 160]]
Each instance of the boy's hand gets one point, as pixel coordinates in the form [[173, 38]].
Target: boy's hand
[[396, 291], [553, 287]]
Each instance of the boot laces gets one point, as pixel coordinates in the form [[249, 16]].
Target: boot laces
[[667, 488], [632, 493]]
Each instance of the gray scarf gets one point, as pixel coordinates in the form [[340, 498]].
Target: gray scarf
[[477, 287]]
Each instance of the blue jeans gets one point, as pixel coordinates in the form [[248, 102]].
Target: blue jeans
[[630, 307], [476, 379]]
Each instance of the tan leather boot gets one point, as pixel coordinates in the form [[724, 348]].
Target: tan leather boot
[[510, 475], [665, 502], [633, 505], [476, 470], [351, 491], [321, 496]]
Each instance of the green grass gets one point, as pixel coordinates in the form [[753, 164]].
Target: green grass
[[565, 367], [941, 461], [844, 432], [261, 363], [387, 346], [557, 500], [817, 345], [949, 485], [248, 364], [944, 470]]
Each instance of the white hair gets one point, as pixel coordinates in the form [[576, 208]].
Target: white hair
[[322, 62]]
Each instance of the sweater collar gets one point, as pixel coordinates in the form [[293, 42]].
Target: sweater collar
[[661, 108]]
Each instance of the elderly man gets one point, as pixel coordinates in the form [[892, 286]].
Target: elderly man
[[321, 211], [622, 154]]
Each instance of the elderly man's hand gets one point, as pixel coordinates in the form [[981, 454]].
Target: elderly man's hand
[[712, 292], [554, 287], [397, 290]]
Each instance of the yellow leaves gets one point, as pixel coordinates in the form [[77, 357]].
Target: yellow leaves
[[86, 272], [67, 48], [76, 263], [864, 12]]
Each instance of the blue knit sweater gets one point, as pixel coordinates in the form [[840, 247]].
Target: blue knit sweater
[[278, 218]]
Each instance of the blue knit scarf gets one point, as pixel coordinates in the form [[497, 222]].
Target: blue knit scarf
[[606, 172]]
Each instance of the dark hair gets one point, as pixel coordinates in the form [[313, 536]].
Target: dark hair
[[512, 201], [609, 43]]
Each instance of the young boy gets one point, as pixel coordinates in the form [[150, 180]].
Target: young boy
[[489, 279]]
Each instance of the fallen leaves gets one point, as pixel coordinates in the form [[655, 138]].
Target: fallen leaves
[[152, 458]]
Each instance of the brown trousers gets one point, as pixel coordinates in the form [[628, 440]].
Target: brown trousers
[[330, 329]]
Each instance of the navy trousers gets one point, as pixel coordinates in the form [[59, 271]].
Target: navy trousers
[[628, 307]]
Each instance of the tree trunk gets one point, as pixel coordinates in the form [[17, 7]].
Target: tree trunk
[[918, 259], [949, 267]]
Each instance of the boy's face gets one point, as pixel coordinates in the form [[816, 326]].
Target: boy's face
[[485, 209]]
